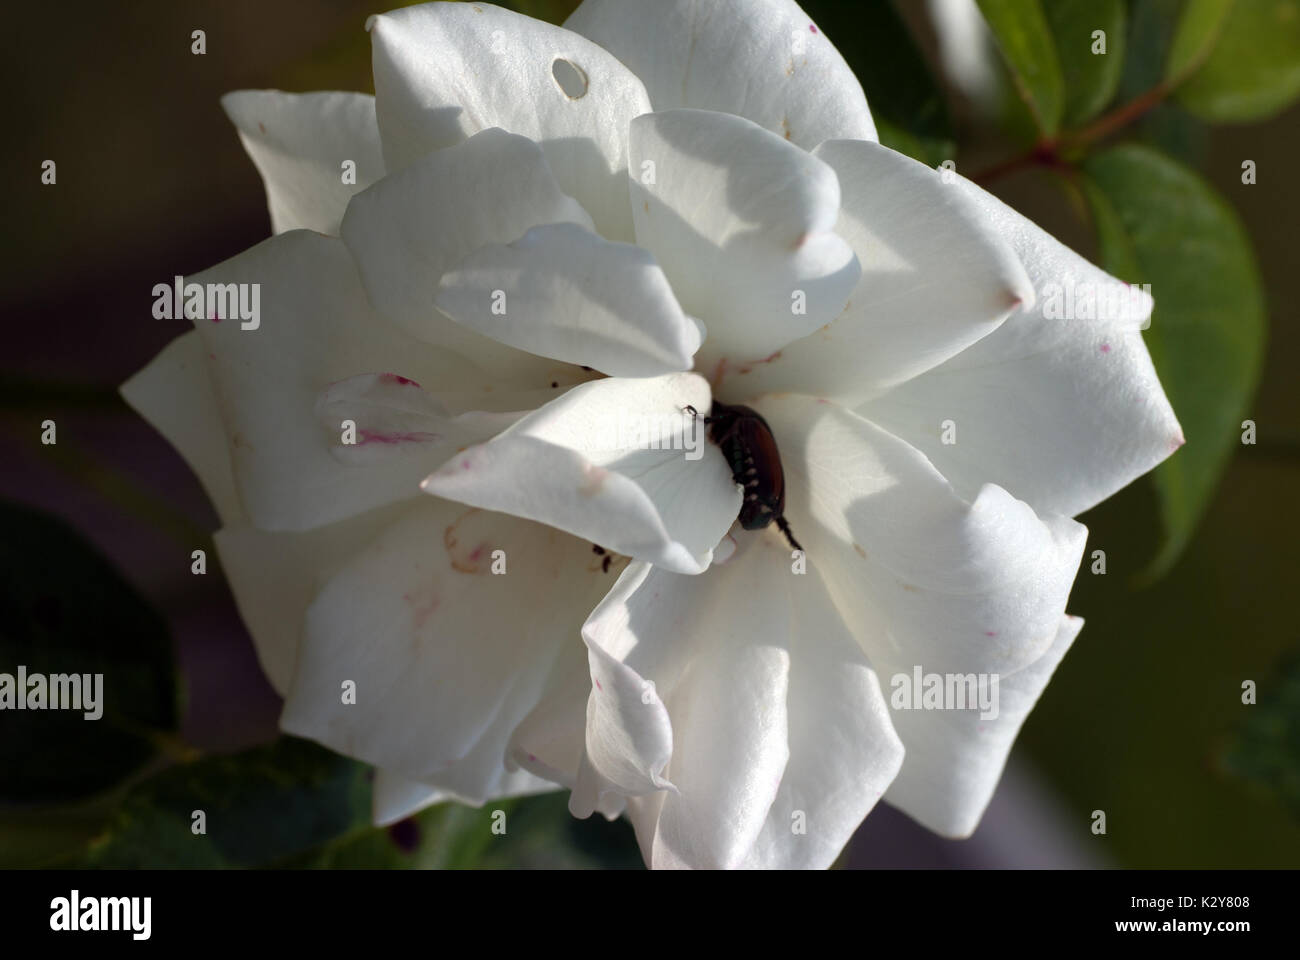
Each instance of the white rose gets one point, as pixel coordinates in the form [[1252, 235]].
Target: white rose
[[687, 197]]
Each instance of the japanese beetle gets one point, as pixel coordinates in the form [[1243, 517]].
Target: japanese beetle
[[747, 442]]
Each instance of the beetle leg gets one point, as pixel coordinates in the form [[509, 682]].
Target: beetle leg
[[784, 527]]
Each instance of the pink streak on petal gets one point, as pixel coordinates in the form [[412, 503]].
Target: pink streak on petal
[[399, 380], [374, 436]]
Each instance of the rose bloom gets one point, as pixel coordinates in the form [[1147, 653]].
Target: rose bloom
[[554, 233]]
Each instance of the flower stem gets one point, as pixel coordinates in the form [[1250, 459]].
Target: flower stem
[[1120, 117]]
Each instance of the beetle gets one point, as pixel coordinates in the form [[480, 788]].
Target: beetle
[[747, 442]]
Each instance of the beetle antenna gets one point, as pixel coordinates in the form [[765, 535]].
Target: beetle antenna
[[784, 526]]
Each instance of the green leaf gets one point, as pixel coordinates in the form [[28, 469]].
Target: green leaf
[[1160, 223], [1026, 43], [261, 806], [445, 836], [65, 611], [1253, 71], [1267, 750], [1091, 78], [1195, 36], [1167, 127], [50, 837], [539, 833], [1148, 38]]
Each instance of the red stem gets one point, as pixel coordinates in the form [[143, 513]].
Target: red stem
[[1047, 152]]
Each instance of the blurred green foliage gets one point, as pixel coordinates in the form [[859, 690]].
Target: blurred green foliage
[[294, 804], [1021, 32], [1160, 223], [1251, 68], [64, 610], [1090, 78], [1265, 749]]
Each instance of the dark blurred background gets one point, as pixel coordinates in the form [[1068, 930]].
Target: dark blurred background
[[1144, 718]]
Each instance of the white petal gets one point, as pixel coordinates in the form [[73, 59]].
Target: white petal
[[750, 660], [920, 574], [923, 578], [487, 772], [628, 738], [412, 227], [314, 329], [274, 576], [174, 393], [743, 224], [763, 60], [843, 751], [548, 742], [1061, 412], [955, 757], [936, 277], [302, 145], [482, 775], [562, 292], [447, 640], [715, 648], [577, 464], [394, 416], [445, 71], [396, 798], [473, 781]]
